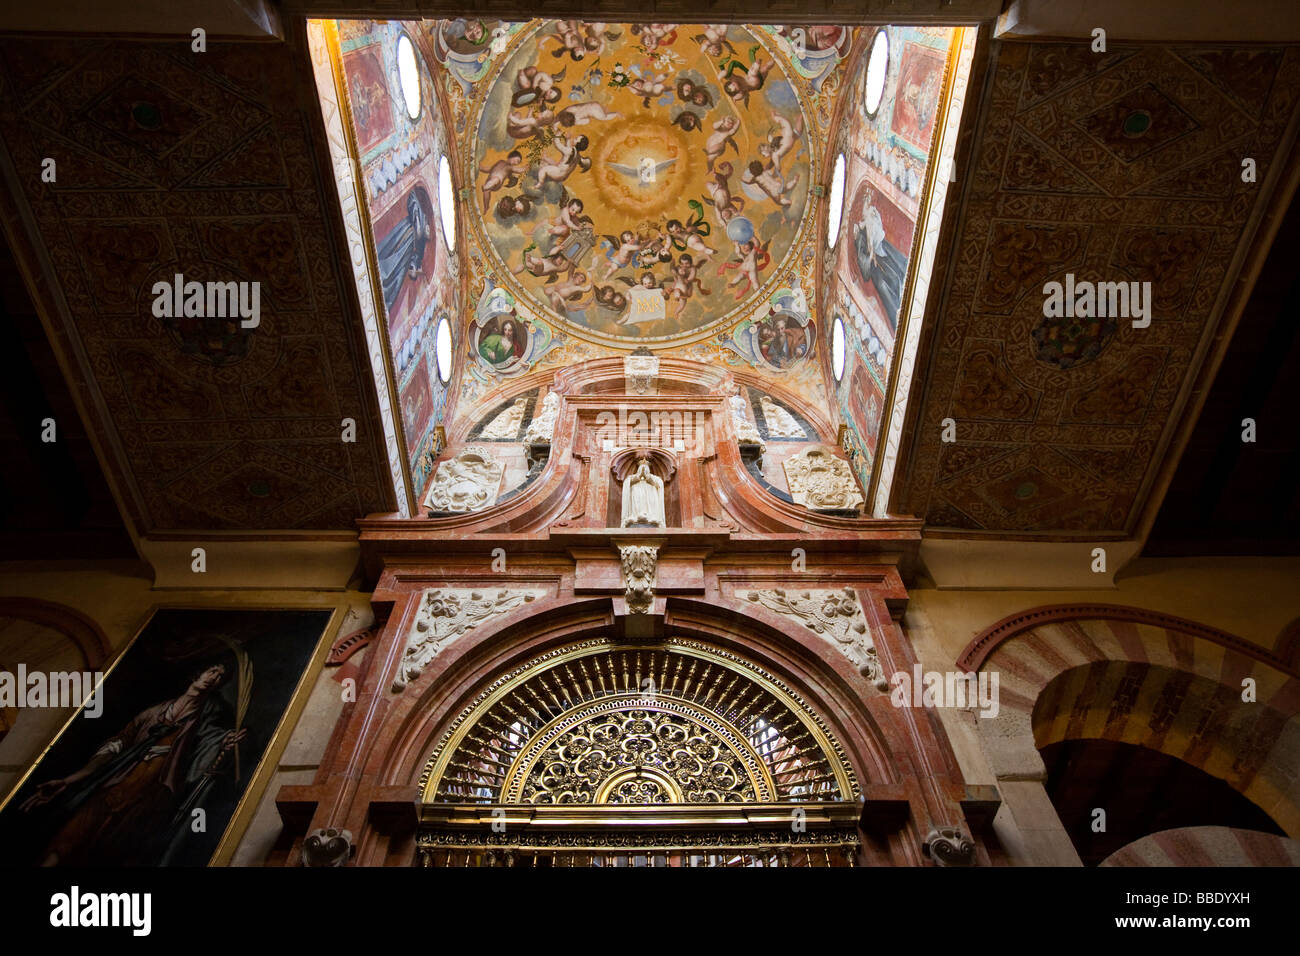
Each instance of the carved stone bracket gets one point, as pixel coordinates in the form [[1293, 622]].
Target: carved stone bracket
[[327, 847], [639, 563], [949, 846], [836, 616], [444, 615], [640, 368]]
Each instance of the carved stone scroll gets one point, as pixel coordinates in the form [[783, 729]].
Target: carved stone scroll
[[444, 615], [837, 616]]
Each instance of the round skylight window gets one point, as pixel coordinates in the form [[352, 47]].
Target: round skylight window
[[877, 70], [447, 203], [835, 209], [837, 349], [408, 74], [442, 349]]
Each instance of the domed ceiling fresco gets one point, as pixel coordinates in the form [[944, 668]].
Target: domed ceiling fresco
[[642, 182]]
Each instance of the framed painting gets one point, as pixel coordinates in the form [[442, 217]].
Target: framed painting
[[187, 735]]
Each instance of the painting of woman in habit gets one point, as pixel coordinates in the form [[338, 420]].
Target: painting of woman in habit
[[643, 498], [401, 251], [879, 261], [132, 802]]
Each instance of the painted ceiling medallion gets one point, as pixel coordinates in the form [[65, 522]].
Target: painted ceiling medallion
[[647, 189]]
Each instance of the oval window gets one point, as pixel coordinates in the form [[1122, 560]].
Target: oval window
[[447, 203], [835, 208], [837, 349], [408, 74], [877, 71], [442, 349]]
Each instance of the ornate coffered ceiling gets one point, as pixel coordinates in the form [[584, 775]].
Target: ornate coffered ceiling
[[209, 165], [1124, 166]]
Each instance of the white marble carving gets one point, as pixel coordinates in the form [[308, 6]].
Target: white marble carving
[[444, 615], [820, 479], [640, 369], [468, 482], [542, 428], [639, 562], [780, 423], [836, 616], [643, 497], [746, 430], [506, 425]]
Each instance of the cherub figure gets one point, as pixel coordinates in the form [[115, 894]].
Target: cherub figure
[[649, 87], [766, 179], [685, 283], [780, 141], [624, 247], [751, 258], [521, 124], [568, 290], [691, 93], [738, 81], [569, 219], [580, 114], [689, 235], [713, 39], [536, 86], [571, 158], [718, 184], [724, 134], [503, 173], [545, 267]]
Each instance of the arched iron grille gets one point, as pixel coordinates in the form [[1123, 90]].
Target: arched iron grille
[[681, 723], [602, 754]]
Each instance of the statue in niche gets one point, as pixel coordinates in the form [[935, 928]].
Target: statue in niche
[[746, 431], [643, 498]]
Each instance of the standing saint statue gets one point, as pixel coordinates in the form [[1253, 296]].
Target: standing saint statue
[[643, 497]]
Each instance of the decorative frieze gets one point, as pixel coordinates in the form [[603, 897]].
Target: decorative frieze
[[837, 616], [444, 615]]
